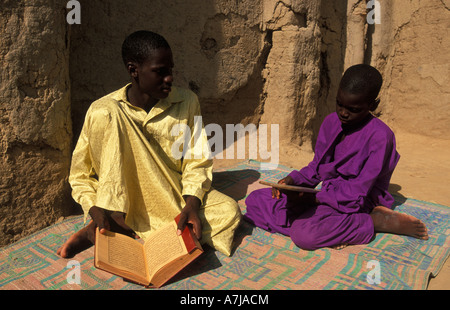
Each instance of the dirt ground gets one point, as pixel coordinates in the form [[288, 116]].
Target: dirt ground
[[423, 173]]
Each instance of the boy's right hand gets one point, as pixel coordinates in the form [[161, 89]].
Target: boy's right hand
[[100, 218], [292, 196], [109, 220], [276, 193]]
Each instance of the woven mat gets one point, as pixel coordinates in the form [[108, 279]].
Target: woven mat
[[261, 261]]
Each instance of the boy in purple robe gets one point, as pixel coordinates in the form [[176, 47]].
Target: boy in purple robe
[[355, 156]]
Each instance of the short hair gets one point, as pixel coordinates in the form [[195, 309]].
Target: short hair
[[362, 79], [139, 46]]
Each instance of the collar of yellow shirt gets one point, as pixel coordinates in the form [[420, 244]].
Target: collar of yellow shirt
[[174, 97]]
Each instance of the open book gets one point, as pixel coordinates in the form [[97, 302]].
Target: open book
[[291, 187], [151, 263]]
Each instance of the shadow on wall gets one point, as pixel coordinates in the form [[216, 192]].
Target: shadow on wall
[[333, 25]]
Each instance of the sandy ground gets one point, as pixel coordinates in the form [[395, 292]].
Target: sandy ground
[[423, 173]]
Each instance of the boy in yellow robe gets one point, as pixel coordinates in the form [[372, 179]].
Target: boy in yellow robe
[[124, 172]]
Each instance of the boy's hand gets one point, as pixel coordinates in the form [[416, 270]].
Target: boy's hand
[[276, 193], [100, 218], [109, 220], [292, 196], [189, 215]]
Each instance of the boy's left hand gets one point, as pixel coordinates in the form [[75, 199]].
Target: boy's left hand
[[189, 215]]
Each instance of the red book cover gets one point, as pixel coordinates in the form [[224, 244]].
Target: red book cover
[[187, 235]]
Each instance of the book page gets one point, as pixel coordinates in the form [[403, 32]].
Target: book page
[[163, 246], [127, 254]]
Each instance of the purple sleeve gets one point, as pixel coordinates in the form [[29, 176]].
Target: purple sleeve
[[307, 176], [349, 195]]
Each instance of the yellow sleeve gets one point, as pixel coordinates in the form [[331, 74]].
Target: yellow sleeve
[[197, 167], [98, 171], [82, 178]]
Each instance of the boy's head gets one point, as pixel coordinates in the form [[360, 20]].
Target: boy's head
[[357, 94], [140, 45], [149, 61]]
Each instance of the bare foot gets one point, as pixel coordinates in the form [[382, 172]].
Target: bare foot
[[77, 243], [340, 246], [390, 221]]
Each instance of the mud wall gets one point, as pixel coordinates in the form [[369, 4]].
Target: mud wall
[[411, 47], [35, 121]]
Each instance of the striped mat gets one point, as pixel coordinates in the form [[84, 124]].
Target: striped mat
[[261, 260]]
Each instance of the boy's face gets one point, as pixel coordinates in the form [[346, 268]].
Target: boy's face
[[352, 109], [154, 76]]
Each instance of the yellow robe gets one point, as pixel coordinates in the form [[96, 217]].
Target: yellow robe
[[124, 161]]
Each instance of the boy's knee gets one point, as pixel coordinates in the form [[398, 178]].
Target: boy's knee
[[251, 201], [305, 239], [231, 207], [305, 242], [258, 197], [222, 216], [255, 203], [222, 208]]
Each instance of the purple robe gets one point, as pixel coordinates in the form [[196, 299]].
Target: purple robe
[[355, 175]]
